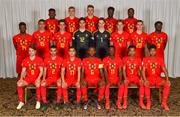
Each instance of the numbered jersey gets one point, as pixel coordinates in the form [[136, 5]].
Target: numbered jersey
[[132, 66], [52, 25], [153, 66], [110, 24], [53, 67], [91, 24], [32, 67], [72, 24], [130, 25]]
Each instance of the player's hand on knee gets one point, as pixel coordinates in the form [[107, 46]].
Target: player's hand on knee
[[125, 82], [38, 82], [146, 83], [78, 84], [64, 84]]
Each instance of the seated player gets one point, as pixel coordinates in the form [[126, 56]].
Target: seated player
[[132, 75], [101, 39], [52, 22], [21, 43], [110, 20], [51, 76], [32, 70], [130, 22], [159, 39], [139, 39], [91, 20], [70, 75], [152, 67], [120, 39], [92, 75], [42, 39], [82, 39], [112, 71], [62, 39], [71, 21]]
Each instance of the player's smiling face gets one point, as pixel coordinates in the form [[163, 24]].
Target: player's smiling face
[[82, 24], [22, 28], [152, 52], [52, 14], [71, 12], [120, 26], [41, 25], [110, 13], [111, 51], [139, 25], [53, 52], [72, 52], [132, 51], [158, 26], [32, 52], [62, 25], [101, 24], [131, 13], [90, 11], [91, 51]]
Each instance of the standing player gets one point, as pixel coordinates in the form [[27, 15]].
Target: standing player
[[130, 22], [139, 39], [51, 75], [71, 21], [21, 43], [159, 39], [63, 39], [82, 39], [120, 39], [101, 39], [132, 75], [113, 75], [92, 75], [70, 74], [32, 70], [42, 38], [152, 67], [91, 20], [52, 22], [110, 20]]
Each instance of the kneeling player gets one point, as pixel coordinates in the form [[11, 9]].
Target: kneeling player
[[152, 67], [92, 75], [32, 71], [113, 75], [131, 74], [70, 74], [51, 76]]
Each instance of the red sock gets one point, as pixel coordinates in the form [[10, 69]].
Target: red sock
[[120, 92], [20, 94], [65, 94], [38, 93], [78, 95], [84, 93], [59, 93], [125, 91], [107, 93], [101, 93], [166, 92], [147, 93], [43, 94], [141, 94]]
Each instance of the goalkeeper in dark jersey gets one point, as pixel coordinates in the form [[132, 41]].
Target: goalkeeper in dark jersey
[[82, 39], [101, 39]]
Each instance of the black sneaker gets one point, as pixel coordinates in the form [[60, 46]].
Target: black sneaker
[[58, 106], [98, 105], [44, 107], [85, 106]]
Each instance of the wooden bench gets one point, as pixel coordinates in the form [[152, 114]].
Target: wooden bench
[[27, 88]]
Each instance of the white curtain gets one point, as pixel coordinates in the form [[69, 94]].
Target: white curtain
[[29, 11]]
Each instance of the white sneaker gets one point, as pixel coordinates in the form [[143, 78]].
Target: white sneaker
[[20, 105], [38, 105]]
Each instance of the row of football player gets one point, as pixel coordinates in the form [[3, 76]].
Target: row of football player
[[91, 71]]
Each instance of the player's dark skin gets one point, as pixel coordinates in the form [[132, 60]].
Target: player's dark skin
[[158, 28], [130, 13], [110, 13], [52, 14]]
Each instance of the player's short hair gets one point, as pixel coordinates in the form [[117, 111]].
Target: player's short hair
[[90, 6], [131, 9], [101, 18], [41, 20], [32, 46], [111, 8], [158, 22], [62, 20], [139, 21], [132, 46], [71, 7], [22, 24], [120, 20], [82, 18], [53, 46], [111, 46], [71, 47], [52, 9], [152, 46], [92, 47]]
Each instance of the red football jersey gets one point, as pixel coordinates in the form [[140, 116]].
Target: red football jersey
[[22, 43], [32, 66], [72, 24], [120, 42], [130, 25], [132, 66], [71, 68], [92, 67], [110, 24], [52, 25], [53, 67], [112, 66], [91, 24], [160, 41], [139, 40], [42, 40], [153, 66]]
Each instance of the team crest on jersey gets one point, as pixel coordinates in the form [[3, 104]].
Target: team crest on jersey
[[139, 40], [32, 66], [159, 40], [131, 26], [41, 38], [52, 27], [112, 66], [72, 24], [90, 24], [82, 39], [53, 66], [153, 65], [62, 40], [132, 66], [92, 66], [72, 67]]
